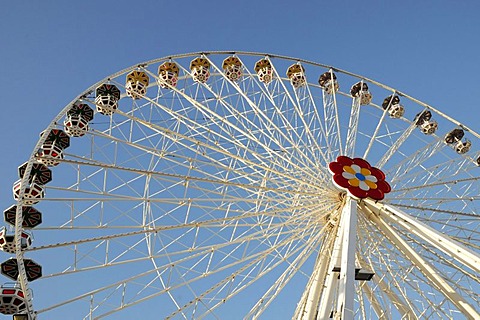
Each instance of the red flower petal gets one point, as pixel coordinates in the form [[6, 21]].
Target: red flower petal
[[376, 194], [357, 192], [362, 163], [341, 181], [384, 186], [378, 173], [344, 161], [335, 168]]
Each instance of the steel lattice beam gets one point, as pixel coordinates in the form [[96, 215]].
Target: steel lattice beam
[[421, 264]]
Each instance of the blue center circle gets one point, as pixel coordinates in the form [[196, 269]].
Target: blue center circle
[[360, 176]]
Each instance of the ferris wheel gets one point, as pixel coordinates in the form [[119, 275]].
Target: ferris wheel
[[236, 185]]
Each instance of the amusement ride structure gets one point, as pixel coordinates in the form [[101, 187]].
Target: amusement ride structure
[[236, 185]]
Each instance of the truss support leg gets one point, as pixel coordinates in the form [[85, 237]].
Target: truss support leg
[[417, 260], [443, 242], [346, 288], [341, 287]]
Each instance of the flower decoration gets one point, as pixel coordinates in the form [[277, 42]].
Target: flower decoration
[[359, 178]]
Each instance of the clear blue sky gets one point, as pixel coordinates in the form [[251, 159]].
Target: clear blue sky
[[50, 51]]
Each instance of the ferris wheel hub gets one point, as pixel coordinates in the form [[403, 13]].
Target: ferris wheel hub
[[357, 177]]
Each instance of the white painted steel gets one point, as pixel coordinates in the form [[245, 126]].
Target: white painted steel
[[426, 268], [210, 197], [441, 241], [346, 288]]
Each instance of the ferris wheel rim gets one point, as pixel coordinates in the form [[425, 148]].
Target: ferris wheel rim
[[262, 54]]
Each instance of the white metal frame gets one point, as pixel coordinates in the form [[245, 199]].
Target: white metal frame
[[380, 215], [325, 290], [336, 293]]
